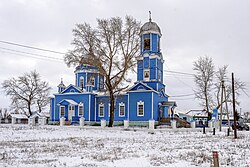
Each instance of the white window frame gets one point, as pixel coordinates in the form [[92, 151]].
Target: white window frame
[[144, 40], [101, 84], [99, 112], [121, 105], [139, 103], [92, 80], [148, 78], [61, 111], [71, 107], [81, 84], [80, 105]]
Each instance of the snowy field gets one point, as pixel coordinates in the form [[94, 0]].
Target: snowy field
[[73, 146]]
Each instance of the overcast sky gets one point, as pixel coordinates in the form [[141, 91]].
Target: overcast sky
[[190, 28]]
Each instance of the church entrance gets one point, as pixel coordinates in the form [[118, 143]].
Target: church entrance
[[71, 112]]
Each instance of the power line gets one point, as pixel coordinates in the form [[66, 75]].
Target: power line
[[30, 47], [185, 98], [177, 72], [49, 57], [40, 58], [191, 94]]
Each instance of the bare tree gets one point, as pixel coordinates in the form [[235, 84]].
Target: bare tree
[[221, 75], [24, 90], [204, 68], [111, 47], [42, 98]]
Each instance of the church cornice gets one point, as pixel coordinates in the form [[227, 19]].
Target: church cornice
[[88, 71]]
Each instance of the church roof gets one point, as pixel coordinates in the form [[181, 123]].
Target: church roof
[[140, 86], [68, 101], [150, 27]]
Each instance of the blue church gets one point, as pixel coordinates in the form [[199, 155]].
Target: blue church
[[145, 100]]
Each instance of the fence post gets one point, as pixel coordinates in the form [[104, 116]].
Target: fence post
[[126, 124], [216, 158], [151, 126]]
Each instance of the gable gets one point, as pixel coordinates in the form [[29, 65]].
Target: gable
[[72, 89], [140, 87], [65, 102]]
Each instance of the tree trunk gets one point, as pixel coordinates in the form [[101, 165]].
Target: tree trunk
[[112, 108], [29, 108]]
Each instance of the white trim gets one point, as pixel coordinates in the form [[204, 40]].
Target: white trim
[[139, 58], [143, 91], [71, 110], [156, 70], [76, 80], [123, 105], [157, 43], [145, 55], [81, 105], [89, 107], [144, 84], [90, 80], [152, 108], [109, 110], [81, 78], [55, 109], [157, 86], [99, 106], [152, 56], [80, 91], [150, 31], [98, 82], [72, 102], [95, 109], [140, 103], [70, 93], [60, 111], [150, 36], [89, 71], [128, 107]]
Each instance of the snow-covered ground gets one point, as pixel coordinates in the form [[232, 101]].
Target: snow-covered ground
[[21, 145]]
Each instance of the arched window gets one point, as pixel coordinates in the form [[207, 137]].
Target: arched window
[[80, 110], [146, 43], [81, 85], [140, 108], [121, 109], [101, 110]]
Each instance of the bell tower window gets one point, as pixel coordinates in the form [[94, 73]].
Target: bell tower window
[[146, 43], [81, 82]]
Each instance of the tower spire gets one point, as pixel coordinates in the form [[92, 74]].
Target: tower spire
[[150, 16]]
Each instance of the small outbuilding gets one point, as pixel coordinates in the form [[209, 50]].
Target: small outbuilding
[[18, 118], [38, 119]]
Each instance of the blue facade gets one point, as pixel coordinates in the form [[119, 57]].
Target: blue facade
[[145, 100]]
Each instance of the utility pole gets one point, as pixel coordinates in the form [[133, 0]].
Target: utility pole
[[221, 102], [235, 131]]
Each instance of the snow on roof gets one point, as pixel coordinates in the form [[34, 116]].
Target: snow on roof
[[19, 116], [71, 101]]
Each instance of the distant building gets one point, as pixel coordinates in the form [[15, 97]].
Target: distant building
[[200, 117], [145, 100]]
